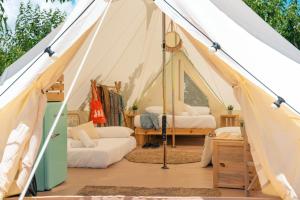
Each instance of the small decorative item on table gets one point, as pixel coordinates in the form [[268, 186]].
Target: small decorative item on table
[[132, 112], [230, 109], [134, 108]]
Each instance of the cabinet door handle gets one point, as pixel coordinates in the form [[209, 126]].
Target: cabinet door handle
[[54, 135]]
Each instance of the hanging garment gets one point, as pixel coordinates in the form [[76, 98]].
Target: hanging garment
[[113, 106], [121, 110], [117, 108], [96, 113], [105, 99]]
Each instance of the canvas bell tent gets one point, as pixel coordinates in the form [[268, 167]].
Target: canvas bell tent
[[227, 50]]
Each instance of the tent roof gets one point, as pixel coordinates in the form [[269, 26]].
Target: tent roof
[[240, 13], [29, 55], [127, 48]]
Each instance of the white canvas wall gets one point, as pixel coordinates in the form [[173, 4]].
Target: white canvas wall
[[128, 49]]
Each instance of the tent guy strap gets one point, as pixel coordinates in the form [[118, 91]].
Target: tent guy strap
[[48, 49], [48, 138], [217, 47]]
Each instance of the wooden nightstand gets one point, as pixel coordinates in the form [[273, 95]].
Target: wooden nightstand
[[229, 120], [228, 163], [130, 120]]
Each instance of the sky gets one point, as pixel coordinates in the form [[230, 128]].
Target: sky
[[12, 7]]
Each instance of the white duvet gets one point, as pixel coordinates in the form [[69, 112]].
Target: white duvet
[[106, 152], [188, 121]]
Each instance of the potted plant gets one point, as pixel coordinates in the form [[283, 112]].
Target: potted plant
[[134, 107], [230, 109]]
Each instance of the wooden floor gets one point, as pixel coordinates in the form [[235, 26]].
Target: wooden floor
[[125, 173]]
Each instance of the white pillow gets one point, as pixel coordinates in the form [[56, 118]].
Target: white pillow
[[87, 127], [114, 132], [77, 144], [207, 151], [202, 110], [182, 114], [232, 130], [155, 109], [197, 110], [86, 140]]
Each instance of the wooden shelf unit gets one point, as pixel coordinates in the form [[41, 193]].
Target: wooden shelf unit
[[229, 120], [228, 163]]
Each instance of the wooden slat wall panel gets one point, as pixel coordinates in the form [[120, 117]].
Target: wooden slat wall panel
[[56, 91], [228, 163]]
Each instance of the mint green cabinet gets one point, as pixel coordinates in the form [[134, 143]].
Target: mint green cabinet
[[52, 169]]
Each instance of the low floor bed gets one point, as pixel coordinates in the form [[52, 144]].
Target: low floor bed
[[184, 125], [189, 122], [107, 151]]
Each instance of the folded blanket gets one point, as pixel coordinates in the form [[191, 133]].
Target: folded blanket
[[149, 121]]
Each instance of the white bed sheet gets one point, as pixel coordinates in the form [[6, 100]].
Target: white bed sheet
[[107, 152], [199, 121]]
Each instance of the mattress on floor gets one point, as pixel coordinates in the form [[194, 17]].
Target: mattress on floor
[[107, 152], [199, 121]]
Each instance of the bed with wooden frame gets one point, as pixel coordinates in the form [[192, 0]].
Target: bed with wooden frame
[[184, 125], [141, 134]]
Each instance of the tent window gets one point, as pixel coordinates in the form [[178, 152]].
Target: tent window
[[192, 94]]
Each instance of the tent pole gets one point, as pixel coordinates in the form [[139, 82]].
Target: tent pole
[[173, 105], [164, 118], [173, 93]]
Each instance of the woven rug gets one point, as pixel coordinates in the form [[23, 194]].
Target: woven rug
[[142, 191], [174, 155]]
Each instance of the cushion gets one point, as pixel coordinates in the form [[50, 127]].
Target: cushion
[[87, 127], [179, 108], [207, 152], [197, 110], [155, 109], [76, 144], [86, 140], [114, 132], [233, 131], [182, 114]]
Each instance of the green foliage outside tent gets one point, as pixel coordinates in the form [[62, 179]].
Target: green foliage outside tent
[[33, 24], [282, 15]]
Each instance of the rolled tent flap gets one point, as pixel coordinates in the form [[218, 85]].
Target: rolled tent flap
[[24, 102], [273, 135], [15, 145], [19, 152]]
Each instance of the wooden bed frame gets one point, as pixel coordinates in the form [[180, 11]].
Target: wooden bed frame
[[140, 133]]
